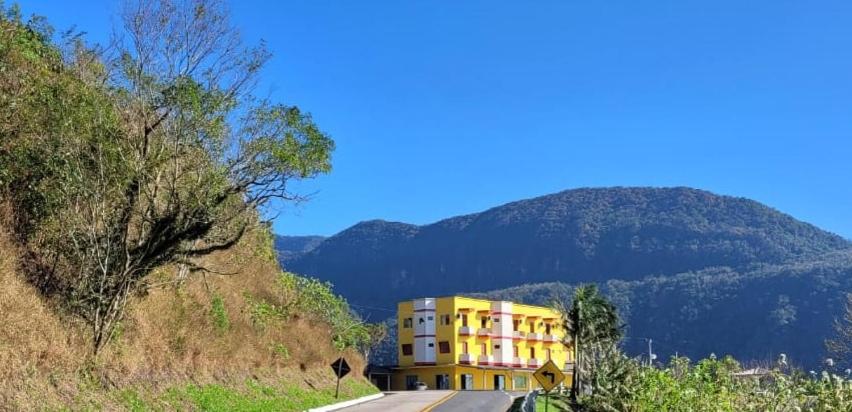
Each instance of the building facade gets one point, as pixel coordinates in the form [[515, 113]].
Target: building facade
[[473, 344]]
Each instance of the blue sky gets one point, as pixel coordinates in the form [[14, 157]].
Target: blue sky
[[441, 108]]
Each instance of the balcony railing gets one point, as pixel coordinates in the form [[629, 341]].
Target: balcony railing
[[518, 363], [465, 331], [532, 336], [550, 338], [568, 367], [483, 332], [534, 363], [484, 360], [465, 358], [518, 335]]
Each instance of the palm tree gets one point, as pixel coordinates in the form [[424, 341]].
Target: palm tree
[[593, 321]]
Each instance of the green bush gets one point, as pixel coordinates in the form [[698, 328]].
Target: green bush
[[219, 314], [316, 299], [711, 385]]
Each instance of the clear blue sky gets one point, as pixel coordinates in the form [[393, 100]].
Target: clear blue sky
[[447, 107]]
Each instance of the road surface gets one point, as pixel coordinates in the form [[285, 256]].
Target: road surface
[[466, 401], [442, 401], [403, 401]]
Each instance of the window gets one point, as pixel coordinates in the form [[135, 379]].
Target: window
[[547, 354], [532, 353], [407, 349], [444, 347], [497, 320], [515, 351], [519, 381], [406, 323], [483, 322], [445, 319], [547, 329], [464, 320], [497, 346], [515, 324], [464, 348], [484, 349], [431, 318], [431, 344], [532, 327]]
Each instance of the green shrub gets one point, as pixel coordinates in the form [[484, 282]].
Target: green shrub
[[711, 385], [219, 314]]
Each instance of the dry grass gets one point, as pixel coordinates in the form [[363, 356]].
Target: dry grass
[[168, 338]]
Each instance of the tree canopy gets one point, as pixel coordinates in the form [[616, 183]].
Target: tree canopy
[[153, 150]]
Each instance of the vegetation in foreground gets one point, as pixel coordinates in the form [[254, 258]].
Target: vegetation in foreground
[[135, 269], [607, 380]]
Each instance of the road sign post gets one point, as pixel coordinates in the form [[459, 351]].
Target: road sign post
[[340, 368], [548, 376]]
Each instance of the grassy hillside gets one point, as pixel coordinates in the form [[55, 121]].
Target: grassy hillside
[[215, 341], [135, 271]]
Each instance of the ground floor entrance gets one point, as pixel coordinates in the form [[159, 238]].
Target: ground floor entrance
[[466, 378]]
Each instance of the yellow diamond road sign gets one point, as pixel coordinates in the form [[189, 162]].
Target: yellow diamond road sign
[[549, 376]]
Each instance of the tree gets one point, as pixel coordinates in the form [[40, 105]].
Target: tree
[[840, 346], [593, 326], [378, 333], [182, 162]]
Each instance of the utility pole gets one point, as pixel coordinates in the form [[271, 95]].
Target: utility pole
[[650, 353]]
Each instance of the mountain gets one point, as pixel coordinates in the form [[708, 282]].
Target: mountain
[[290, 247], [752, 314], [582, 235]]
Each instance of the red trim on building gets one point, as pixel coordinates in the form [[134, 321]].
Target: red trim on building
[[424, 336], [424, 310], [501, 313], [465, 362], [501, 337]]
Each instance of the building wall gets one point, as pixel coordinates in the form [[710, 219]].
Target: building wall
[[487, 354]]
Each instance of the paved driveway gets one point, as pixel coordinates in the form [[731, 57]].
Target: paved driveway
[[403, 401]]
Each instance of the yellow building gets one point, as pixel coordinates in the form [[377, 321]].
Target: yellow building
[[471, 344]]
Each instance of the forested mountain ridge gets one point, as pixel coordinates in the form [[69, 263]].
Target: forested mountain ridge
[[753, 314], [289, 247], [581, 235]]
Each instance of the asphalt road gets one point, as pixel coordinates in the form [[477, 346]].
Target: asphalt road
[[442, 401], [467, 401], [403, 401]]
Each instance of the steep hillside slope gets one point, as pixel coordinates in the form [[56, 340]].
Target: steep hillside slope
[[572, 236], [754, 314], [217, 342]]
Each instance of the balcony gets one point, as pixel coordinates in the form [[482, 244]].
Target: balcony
[[533, 337], [569, 367], [485, 332], [484, 360], [465, 358], [550, 339], [465, 331], [518, 335], [518, 363], [534, 363]]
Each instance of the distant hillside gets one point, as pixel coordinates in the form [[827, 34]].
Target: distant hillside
[[289, 247], [753, 314], [573, 236]]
